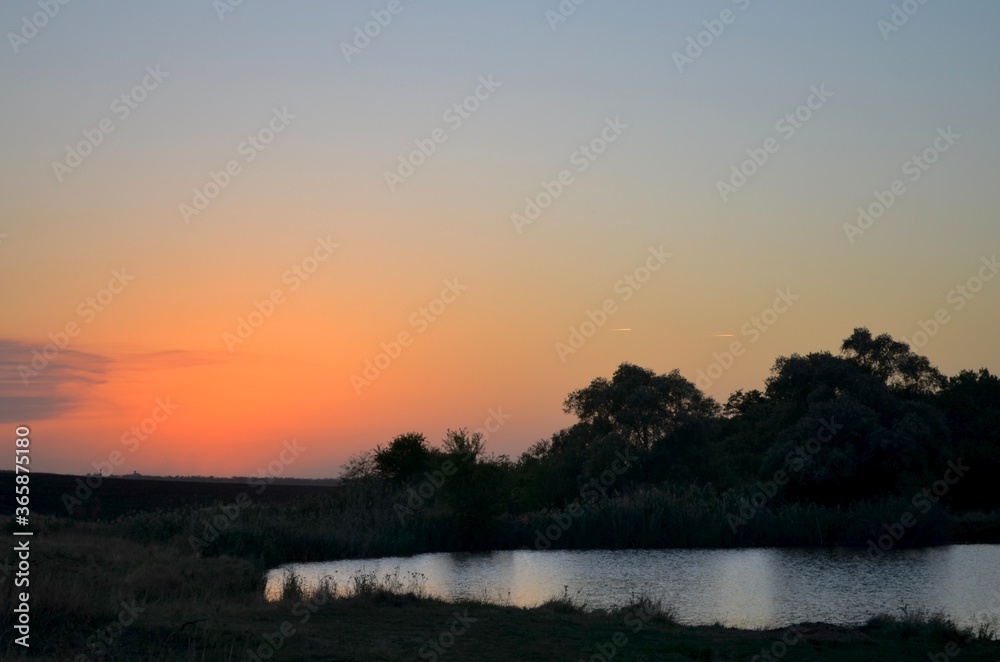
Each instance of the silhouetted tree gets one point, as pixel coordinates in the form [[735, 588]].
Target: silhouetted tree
[[476, 487], [406, 456], [538, 482], [751, 423], [885, 444], [548, 475], [740, 403], [462, 447], [874, 421], [640, 405], [971, 403], [892, 362], [360, 466]]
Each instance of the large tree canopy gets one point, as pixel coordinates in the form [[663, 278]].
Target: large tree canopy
[[892, 361], [639, 405], [885, 443], [971, 401], [405, 456]]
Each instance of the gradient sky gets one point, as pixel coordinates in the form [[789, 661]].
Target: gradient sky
[[162, 336]]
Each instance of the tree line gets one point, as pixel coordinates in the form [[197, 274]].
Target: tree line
[[875, 420]]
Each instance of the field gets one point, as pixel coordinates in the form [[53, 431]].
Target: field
[[116, 496]]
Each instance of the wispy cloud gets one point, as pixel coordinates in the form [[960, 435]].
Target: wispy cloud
[[59, 388], [173, 358], [70, 379]]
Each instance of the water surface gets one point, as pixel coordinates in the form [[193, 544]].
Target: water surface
[[740, 588]]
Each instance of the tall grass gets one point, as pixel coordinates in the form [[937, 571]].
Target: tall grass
[[360, 521], [935, 626], [667, 516]]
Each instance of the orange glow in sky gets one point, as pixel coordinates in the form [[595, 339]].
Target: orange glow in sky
[[277, 242]]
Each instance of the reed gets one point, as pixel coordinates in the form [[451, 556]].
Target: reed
[[362, 522]]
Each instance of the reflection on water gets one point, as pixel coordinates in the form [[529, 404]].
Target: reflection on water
[[743, 588]]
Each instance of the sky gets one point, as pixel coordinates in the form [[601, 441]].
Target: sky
[[227, 227]]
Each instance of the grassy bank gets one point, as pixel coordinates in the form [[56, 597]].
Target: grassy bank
[[86, 579]]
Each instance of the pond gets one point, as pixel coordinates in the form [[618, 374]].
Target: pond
[[748, 588]]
